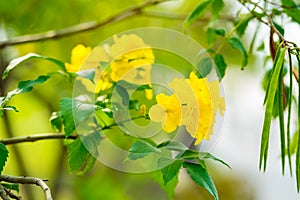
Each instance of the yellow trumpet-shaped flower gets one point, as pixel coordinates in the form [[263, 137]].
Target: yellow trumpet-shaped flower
[[167, 111], [132, 60], [78, 55]]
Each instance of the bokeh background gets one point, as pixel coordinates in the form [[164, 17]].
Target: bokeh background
[[238, 145]]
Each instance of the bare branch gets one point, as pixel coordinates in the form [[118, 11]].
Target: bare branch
[[28, 180], [36, 137], [12, 195], [3, 193], [86, 26]]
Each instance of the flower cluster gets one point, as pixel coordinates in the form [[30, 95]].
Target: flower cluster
[[129, 59], [193, 104]]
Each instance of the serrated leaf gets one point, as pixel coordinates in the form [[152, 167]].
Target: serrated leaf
[[141, 149], [240, 30], [221, 65], [237, 44], [74, 110], [269, 99], [15, 62], [169, 188], [88, 74], [3, 156], [204, 67], [171, 170], [173, 145], [23, 87], [80, 160], [198, 12], [201, 177], [11, 186], [56, 121]]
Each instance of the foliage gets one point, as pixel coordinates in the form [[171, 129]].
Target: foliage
[[113, 90]]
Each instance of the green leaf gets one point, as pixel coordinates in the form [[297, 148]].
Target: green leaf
[[197, 13], [172, 170], [221, 65], [173, 145], [201, 177], [211, 34], [74, 110], [141, 149], [279, 28], [237, 44], [122, 91], [56, 121], [216, 7], [15, 62], [3, 156], [192, 154], [204, 67], [291, 9], [103, 118], [240, 30], [88, 74], [80, 160], [23, 87], [169, 188], [270, 95], [11, 186]]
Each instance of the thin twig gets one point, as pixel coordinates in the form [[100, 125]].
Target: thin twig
[[3, 193], [86, 26], [36, 137], [12, 195], [28, 180]]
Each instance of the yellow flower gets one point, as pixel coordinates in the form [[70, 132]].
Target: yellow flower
[[132, 60], [103, 82], [167, 111], [78, 55], [194, 105]]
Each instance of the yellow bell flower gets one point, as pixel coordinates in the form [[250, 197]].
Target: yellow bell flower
[[78, 55]]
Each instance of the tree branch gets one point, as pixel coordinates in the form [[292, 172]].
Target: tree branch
[[12, 195], [28, 180], [36, 137], [3, 193], [86, 26]]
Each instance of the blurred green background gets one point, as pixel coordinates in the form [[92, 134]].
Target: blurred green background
[[47, 159]]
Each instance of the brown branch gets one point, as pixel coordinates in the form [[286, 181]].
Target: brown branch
[[36, 137], [3, 193], [86, 26], [12, 195], [28, 180]]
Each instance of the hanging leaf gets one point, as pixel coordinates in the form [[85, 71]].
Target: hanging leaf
[[169, 188], [270, 95], [80, 160], [197, 13], [291, 9], [141, 149], [204, 67], [221, 65], [237, 44], [240, 30], [201, 177], [216, 8], [15, 62], [88, 74], [3, 157], [56, 121], [171, 170]]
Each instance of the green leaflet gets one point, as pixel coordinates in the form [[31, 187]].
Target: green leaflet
[[88, 74], [56, 121], [240, 30], [141, 149], [198, 12], [80, 160], [221, 65], [237, 44], [270, 95], [15, 62], [171, 170], [169, 188], [204, 67], [11, 186], [74, 110], [3, 156], [216, 8], [201, 177], [173, 145], [23, 87], [211, 35]]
